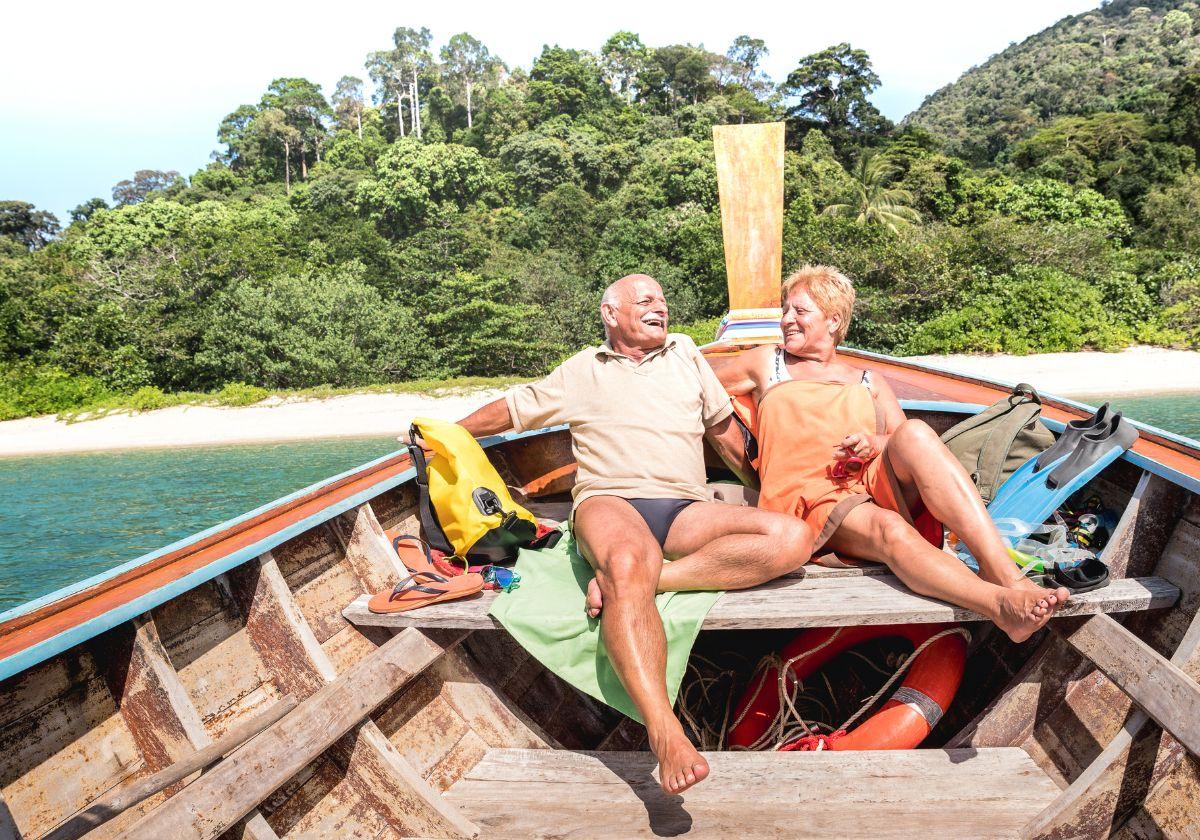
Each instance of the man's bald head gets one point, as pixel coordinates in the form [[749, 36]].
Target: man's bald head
[[626, 289], [634, 312]]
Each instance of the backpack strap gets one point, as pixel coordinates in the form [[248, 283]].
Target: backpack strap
[[430, 527], [1024, 408]]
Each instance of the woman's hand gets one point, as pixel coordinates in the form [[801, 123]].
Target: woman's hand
[[859, 445]]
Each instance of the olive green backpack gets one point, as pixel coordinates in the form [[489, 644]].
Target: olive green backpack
[[993, 443]]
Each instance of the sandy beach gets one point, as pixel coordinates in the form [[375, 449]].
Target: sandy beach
[[1136, 370]]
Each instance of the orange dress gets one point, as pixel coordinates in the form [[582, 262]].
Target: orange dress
[[800, 423]]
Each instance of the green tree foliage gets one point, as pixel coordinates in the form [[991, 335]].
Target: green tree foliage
[[872, 201], [462, 218], [1173, 215], [1031, 310], [143, 184], [415, 183], [1118, 154], [830, 91], [25, 225], [1116, 57], [314, 328], [470, 68]]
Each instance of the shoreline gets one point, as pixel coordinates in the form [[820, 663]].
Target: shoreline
[[1131, 372]]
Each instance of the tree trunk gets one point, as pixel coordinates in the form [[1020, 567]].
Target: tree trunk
[[287, 167], [416, 107], [303, 161], [358, 116], [400, 109], [469, 87]]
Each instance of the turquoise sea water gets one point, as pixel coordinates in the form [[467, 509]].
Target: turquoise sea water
[[64, 518], [1178, 413]]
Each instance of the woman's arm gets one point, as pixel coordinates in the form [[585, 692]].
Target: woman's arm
[[737, 372], [892, 412]]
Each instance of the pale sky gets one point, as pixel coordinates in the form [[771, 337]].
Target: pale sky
[[92, 91]]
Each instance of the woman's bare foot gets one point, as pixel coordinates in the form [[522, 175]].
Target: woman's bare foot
[[595, 601], [679, 764], [1023, 610]]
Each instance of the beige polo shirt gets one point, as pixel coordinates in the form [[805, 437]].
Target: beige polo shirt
[[637, 428]]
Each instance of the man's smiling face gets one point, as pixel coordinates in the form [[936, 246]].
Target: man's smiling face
[[640, 320]]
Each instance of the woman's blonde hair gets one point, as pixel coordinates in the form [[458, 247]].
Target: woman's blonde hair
[[831, 290]]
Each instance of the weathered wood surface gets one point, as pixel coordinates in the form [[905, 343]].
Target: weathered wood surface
[[375, 773], [1157, 685], [1141, 769], [129, 795], [903, 794], [791, 603], [750, 183], [217, 800], [1145, 527]]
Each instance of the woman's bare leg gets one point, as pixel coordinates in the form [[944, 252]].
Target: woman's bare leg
[[872, 533], [926, 469]]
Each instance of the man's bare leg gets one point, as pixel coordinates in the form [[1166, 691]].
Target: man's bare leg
[[926, 468], [872, 533], [720, 546], [627, 559]]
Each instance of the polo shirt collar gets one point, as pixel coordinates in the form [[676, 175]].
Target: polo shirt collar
[[606, 349]]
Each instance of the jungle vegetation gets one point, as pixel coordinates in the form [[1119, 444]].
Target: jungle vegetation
[[443, 214]]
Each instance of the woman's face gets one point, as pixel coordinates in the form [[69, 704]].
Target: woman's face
[[804, 325]]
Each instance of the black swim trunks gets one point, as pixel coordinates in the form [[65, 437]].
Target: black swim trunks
[[660, 514]]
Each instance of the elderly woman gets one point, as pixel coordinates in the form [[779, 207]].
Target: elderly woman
[[838, 452]]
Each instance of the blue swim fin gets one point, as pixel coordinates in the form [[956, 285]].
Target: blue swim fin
[[1032, 494]]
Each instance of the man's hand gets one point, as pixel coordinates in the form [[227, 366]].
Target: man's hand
[[409, 439]]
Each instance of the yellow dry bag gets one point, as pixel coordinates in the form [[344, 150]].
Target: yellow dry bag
[[465, 507]]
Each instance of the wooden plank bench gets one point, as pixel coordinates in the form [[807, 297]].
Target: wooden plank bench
[[818, 601], [963, 793]]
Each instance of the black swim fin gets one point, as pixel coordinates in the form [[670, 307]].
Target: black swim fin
[[1098, 446], [1070, 437]]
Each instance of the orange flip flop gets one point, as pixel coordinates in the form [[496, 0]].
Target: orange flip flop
[[424, 584], [420, 589]]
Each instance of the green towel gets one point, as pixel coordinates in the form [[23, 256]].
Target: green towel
[[545, 614]]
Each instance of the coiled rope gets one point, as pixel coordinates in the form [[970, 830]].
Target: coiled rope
[[788, 723]]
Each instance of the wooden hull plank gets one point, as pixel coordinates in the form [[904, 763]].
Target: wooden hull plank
[[881, 794], [374, 772], [221, 797], [795, 603]]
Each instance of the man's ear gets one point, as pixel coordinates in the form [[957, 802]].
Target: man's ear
[[608, 314]]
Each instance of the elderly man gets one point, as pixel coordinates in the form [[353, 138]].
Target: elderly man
[[638, 407]]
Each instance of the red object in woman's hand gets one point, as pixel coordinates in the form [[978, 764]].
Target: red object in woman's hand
[[852, 466]]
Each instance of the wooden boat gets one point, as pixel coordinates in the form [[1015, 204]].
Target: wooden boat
[[234, 685]]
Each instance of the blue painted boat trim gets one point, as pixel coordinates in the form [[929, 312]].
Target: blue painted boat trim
[[42, 651]]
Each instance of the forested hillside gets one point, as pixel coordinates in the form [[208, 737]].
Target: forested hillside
[[1122, 56], [447, 214]]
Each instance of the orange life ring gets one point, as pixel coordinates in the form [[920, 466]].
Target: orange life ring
[[905, 719]]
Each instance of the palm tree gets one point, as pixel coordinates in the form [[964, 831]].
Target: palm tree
[[871, 201]]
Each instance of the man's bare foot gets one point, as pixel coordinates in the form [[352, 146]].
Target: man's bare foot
[[1023, 610], [679, 764], [595, 601]]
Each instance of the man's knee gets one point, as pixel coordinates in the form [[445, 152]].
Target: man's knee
[[626, 571], [792, 542]]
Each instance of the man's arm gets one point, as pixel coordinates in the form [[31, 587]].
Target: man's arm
[[491, 419], [726, 439]]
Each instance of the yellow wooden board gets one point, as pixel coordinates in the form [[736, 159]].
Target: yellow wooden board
[[750, 180]]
